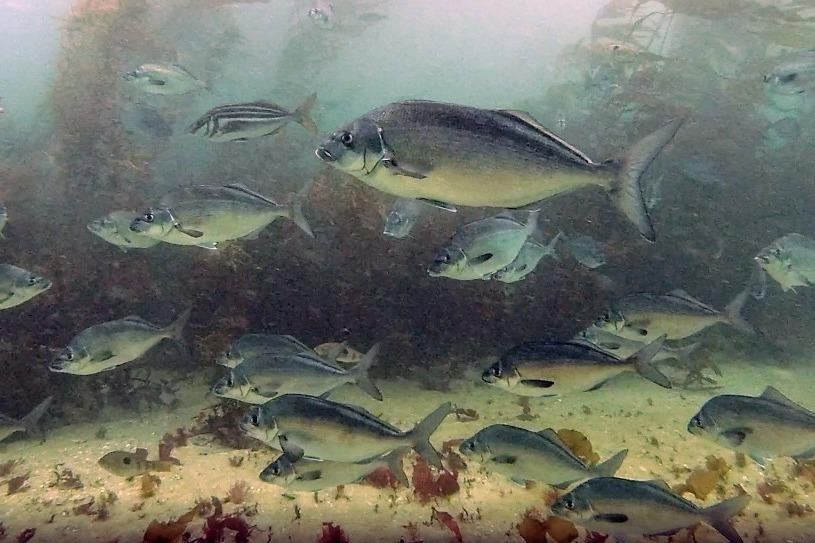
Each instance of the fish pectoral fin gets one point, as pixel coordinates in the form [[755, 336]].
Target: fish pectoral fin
[[480, 259], [439, 204], [758, 459], [313, 475], [189, 232], [388, 160], [520, 481], [615, 518], [5, 296], [504, 459], [268, 392], [293, 452], [537, 383], [211, 246], [103, 356], [157, 82], [140, 454], [736, 436]]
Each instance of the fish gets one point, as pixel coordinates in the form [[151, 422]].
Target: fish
[[322, 14], [152, 121], [17, 286], [586, 250], [402, 217], [319, 428], [164, 79], [130, 464], [106, 346], [259, 379], [550, 368], [209, 215], [523, 455], [308, 475], [676, 315], [460, 155], [795, 74], [623, 347], [242, 122], [3, 220], [29, 423], [527, 260], [766, 426], [790, 261], [630, 509], [115, 229], [483, 247], [253, 345]]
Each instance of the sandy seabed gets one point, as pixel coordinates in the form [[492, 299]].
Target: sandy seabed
[[626, 413]]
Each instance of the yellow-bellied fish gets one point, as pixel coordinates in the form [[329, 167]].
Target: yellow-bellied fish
[[207, 215], [633, 509], [105, 346], [523, 455], [17, 286], [549, 368], [252, 345], [458, 155], [164, 79], [319, 428], [790, 260]]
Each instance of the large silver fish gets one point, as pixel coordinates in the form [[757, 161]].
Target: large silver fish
[[115, 229], [549, 368], [623, 347], [795, 74], [164, 79], [259, 379], [629, 510], [676, 315], [766, 426], [319, 428], [28, 423], [206, 215], [790, 260], [308, 475], [242, 122], [481, 248], [459, 155], [17, 286], [523, 455], [253, 345], [105, 346]]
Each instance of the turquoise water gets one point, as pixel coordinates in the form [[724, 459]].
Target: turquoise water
[[309, 253]]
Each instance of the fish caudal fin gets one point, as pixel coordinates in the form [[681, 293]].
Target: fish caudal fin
[[642, 362], [627, 191], [610, 466], [551, 247], [393, 460], [302, 115], [719, 516], [420, 435], [360, 373], [733, 312], [296, 210], [176, 329], [31, 421]]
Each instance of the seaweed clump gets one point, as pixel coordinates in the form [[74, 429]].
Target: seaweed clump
[[580, 445], [447, 520], [427, 486], [18, 484], [238, 492], [533, 530], [65, 479], [702, 481], [332, 533]]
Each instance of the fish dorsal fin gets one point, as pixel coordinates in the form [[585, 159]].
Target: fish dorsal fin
[[533, 123], [136, 319], [683, 295], [244, 191], [265, 103], [181, 68], [140, 454], [772, 394], [659, 483]]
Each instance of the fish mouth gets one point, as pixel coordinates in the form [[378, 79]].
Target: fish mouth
[[56, 366], [488, 377], [139, 225], [324, 155]]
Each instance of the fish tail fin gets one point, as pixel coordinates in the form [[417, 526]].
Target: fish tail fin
[[627, 190], [176, 329], [719, 516], [31, 421], [610, 466], [393, 461], [296, 209], [642, 362], [198, 125], [420, 435], [551, 247], [302, 115], [734, 316], [683, 353], [360, 373]]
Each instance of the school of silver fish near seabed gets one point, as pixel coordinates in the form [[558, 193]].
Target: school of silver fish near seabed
[[330, 430]]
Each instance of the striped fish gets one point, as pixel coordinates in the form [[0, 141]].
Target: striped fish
[[242, 122]]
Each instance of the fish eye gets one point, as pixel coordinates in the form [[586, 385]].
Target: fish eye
[[33, 280], [126, 460], [69, 355], [696, 421], [230, 382], [643, 332], [496, 371], [347, 139], [569, 503], [276, 470], [255, 419], [148, 217]]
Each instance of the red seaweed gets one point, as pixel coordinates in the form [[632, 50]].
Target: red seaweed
[[426, 486], [26, 535], [447, 520], [332, 533], [596, 537], [381, 477]]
